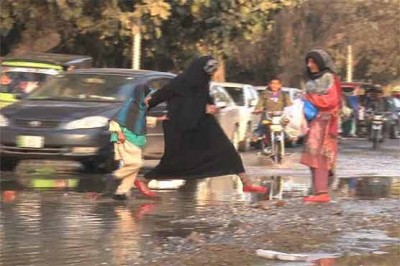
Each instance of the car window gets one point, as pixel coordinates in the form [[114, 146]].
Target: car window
[[237, 94], [220, 95], [254, 93], [20, 82], [156, 84], [85, 87], [247, 94]]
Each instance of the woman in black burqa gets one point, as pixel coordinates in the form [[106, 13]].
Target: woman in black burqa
[[195, 144]]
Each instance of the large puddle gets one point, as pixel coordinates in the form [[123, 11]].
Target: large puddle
[[49, 217]]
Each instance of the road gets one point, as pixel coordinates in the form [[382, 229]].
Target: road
[[56, 218]]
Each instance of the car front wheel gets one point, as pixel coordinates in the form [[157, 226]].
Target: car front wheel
[[236, 137], [8, 164], [106, 166], [245, 143]]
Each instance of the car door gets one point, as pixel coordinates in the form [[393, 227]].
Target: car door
[[253, 102], [155, 136], [241, 96], [228, 115]]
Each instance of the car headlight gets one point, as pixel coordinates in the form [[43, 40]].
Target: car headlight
[[3, 121], [88, 122]]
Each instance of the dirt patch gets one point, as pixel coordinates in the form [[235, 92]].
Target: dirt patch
[[393, 230], [341, 227]]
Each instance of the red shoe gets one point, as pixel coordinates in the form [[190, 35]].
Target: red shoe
[[320, 198], [255, 189], [142, 187]]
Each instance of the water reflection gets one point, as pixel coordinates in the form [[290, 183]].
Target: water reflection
[[370, 187], [203, 191]]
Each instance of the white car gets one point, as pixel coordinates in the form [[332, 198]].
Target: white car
[[228, 114], [294, 93], [245, 97]]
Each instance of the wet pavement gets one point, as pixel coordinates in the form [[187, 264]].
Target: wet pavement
[[55, 217]]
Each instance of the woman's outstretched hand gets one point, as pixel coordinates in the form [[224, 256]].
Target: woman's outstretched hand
[[211, 109], [162, 118], [146, 101]]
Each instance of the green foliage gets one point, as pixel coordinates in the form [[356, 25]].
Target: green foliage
[[99, 28], [370, 27], [256, 38], [194, 25]]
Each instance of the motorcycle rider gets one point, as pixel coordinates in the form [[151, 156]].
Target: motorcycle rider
[[272, 99]]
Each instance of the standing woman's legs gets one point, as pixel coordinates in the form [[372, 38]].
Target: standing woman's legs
[[320, 180]]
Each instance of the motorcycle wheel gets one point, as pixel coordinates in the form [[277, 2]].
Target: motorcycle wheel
[[279, 152]]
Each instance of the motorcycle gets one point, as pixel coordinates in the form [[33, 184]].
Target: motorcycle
[[377, 128], [276, 138], [362, 122]]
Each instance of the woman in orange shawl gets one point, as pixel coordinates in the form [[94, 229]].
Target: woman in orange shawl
[[321, 147]]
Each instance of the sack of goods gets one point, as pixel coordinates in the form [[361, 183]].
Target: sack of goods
[[297, 123]]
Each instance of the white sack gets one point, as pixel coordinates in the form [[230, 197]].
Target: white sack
[[297, 125]]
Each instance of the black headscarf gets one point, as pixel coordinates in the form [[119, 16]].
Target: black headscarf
[[196, 76], [132, 114], [323, 61]]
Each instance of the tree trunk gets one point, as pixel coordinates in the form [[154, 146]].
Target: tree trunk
[[219, 75]]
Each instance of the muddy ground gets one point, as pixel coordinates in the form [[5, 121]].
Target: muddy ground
[[341, 229]]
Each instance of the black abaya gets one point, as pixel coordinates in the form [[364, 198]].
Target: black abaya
[[195, 144]]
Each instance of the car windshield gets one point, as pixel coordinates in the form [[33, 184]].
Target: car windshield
[[84, 87], [237, 95], [18, 82]]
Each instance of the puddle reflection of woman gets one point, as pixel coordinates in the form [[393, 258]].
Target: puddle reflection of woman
[[195, 144], [321, 148]]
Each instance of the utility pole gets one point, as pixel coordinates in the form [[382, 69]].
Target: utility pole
[[349, 64], [136, 46]]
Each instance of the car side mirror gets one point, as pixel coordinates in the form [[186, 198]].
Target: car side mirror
[[221, 104]]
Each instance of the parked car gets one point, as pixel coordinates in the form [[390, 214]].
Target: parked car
[[245, 97], [20, 75], [67, 117], [294, 93], [229, 113]]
